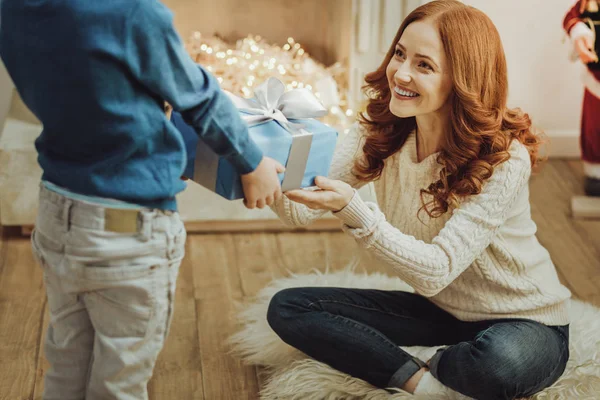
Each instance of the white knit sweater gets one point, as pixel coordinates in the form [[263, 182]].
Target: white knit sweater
[[481, 261]]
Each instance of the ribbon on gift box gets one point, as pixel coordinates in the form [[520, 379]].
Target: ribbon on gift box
[[270, 102]]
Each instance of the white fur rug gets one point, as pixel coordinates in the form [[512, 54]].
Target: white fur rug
[[291, 375]]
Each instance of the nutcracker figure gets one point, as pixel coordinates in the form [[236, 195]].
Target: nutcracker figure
[[581, 24]]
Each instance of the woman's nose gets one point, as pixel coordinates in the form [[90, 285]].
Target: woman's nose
[[403, 75]]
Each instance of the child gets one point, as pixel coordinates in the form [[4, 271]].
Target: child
[[450, 163], [109, 239]]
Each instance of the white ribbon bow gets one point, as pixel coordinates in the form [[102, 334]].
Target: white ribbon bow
[[272, 102]]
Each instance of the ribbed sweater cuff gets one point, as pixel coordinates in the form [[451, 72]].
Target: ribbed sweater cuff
[[356, 214]]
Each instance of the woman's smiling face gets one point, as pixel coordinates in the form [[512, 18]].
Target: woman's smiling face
[[418, 73]]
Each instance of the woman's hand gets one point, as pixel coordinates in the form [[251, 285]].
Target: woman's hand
[[332, 195]]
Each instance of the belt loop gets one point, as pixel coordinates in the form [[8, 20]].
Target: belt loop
[[146, 225], [68, 204]]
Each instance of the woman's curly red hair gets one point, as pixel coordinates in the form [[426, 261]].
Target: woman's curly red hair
[[482, 127]]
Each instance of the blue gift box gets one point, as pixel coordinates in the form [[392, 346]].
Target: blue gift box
[[306, 156]]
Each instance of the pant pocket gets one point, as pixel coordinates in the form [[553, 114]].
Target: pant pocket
[[42, 244], [47, 253], [58, 299], [126, 309]]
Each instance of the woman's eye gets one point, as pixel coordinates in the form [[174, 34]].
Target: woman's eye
[[399, 53], [425, 66]]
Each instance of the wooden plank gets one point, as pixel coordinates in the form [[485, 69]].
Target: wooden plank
[[178, 371], [577, 167], [217, 287], [581, 206], [591, 227], [301, 253], [341, 250], [21, 316], [261, 261], [573, 176], [260, 266], [571, 249], [324, 251], [274, 225], [42, 364]]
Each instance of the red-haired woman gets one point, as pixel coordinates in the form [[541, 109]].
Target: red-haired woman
[[450, 165], [581, 23]]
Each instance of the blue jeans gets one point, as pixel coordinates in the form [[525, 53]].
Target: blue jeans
[[358, 332]]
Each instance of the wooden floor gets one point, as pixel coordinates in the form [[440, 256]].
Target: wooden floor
[[222, 269]]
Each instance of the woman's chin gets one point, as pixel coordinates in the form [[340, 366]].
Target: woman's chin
[[402, 112]]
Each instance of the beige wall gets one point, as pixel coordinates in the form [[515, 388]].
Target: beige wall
[[542, 80]]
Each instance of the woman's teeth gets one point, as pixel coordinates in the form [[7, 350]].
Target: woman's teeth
[[405, 93]]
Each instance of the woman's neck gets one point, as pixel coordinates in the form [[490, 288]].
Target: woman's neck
[[431, 129]]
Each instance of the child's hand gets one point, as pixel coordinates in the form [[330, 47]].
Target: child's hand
[[262, 187], [168, 110], [584, 46], [332, 196]]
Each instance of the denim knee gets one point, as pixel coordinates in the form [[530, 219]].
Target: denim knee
[[504, 370], [485, 371], [281, 308], [521, 365], [497, 366]]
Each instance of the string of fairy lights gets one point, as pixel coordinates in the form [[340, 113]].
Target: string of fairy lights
[[250, 61]]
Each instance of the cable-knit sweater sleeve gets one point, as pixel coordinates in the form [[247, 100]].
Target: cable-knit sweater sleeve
[[429, 268], [292, 213]]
